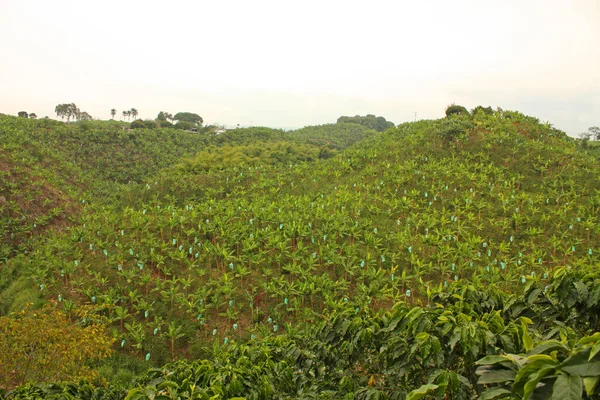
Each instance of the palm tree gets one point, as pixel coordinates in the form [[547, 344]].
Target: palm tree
[[134, 113], [113, 112], [124, 114]]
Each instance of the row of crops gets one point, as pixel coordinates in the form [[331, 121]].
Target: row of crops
[[470, 341], [48, 168], [295, 262]]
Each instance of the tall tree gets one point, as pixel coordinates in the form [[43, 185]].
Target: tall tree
[[134, 113], [164, 116], [124, 114], [84, 116], [68, 110], [23, 114], [189, 117], [113, 112], [61, 111]]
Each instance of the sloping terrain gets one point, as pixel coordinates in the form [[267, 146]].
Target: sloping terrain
[[37, 192], [400, 261]]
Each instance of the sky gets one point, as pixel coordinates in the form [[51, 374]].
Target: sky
[[288, 63]]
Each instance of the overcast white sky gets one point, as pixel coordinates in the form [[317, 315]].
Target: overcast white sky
[[295, 63]]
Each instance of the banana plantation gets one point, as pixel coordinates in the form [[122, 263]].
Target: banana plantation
[[443, 259]]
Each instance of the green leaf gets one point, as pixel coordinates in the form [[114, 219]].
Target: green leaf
[[494, 394], [589, 339], [585, 369], [534, 379], [464, 381], [419, 393], [539, 362], [496, 376], [577, 364], [543, 391], [488, 360], [540, 358], [527, 340], [527, 321], [136, 394], [567, 387], [532, 297], [589, 383], [594, 351], [454, 339], [434, 375], [594, 296], [582, 289], [547, 345]]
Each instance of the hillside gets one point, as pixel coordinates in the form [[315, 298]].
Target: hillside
[[329, 262], [50, 168], [37, 191]]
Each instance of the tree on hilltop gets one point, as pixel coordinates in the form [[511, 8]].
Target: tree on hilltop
[[68, 111], [370, 121], [138, 123], [84, 116], [455, 109], [113, 112], [163, 116], [189, 117], [486, 110]]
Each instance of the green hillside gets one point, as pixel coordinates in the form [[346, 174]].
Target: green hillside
[[450, 258]]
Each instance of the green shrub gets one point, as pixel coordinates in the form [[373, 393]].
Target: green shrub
[[20, 293], [164, 124], [150, 123], [486, 110], [137, 124], [451, 129], [185, 125], [455, 109]]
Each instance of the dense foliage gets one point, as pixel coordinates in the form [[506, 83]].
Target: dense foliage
[[258, 153], [189, 117], [328, 262], [46, 346], [370, 121], [455, 109]]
